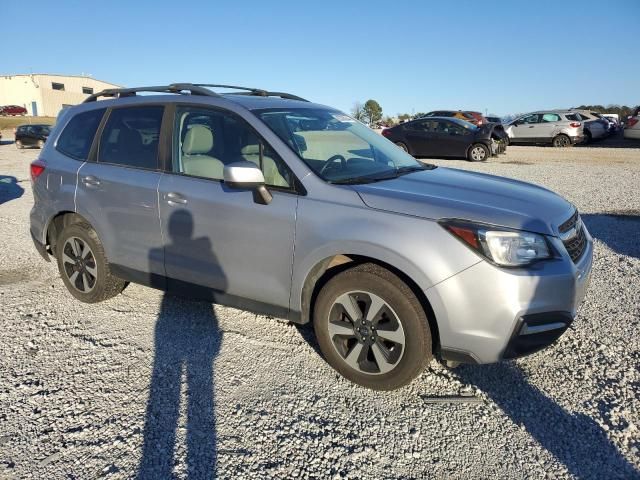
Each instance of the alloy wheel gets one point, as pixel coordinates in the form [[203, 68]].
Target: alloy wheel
[[79, 264], [366, 332]]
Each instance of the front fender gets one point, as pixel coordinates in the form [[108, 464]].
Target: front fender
[[421, 249]]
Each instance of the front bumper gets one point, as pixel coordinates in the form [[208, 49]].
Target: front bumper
[[487, 313]]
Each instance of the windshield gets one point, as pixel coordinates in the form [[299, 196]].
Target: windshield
[[337, 147]]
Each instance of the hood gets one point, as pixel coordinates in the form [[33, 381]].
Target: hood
[[452, 193]]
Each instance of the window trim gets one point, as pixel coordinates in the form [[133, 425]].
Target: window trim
[[58, 89], [89, 92], [296, 188], [95, 149]]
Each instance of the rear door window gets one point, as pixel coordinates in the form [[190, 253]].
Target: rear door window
[[76, 138], [131, 137], [573, 117], [550, 117]]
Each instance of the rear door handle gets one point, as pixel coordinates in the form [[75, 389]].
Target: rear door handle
[[90, 181], [174, 199], [530, 126]]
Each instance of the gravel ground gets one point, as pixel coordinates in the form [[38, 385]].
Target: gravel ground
[[151, 386]]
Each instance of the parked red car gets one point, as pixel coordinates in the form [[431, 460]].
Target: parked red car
[[480, 120], [12, 110]]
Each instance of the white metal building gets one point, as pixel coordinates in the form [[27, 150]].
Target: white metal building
[[44, 94]]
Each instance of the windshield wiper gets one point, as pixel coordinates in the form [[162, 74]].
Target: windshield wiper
[[414, 168], [363, 179]]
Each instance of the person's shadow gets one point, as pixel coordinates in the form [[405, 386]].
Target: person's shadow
[[9, 189], [187, 339]]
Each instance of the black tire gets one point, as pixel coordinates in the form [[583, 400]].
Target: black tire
[[104, 284], [561, 141], [414, 354], [587, 137], [478, 152], [403, 146]]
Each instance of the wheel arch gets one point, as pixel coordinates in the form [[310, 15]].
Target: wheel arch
[[56, 224], [330, 266]]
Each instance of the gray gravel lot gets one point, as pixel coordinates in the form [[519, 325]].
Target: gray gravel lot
[[151, 386]]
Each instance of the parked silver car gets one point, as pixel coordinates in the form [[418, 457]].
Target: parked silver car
[[269, 203], [558, 128], [595, 126]]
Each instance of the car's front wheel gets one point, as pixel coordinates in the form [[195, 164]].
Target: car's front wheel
[[83, 265], [478, 152], [40, 144], [19, 144], [371, 328]]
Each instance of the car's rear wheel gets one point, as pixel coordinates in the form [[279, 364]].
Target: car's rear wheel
[[19, 144], [561, 141], [371, 328], [403, 146], [83, 266], [478, 152]]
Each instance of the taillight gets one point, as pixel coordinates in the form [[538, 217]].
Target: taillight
[[37, 167], [575, 124], [386, 132], [632, 121]]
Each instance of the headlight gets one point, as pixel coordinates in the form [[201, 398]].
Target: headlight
[[510, 248]]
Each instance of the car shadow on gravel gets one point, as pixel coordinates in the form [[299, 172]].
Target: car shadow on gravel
[[619, 230], [187, 340], [575, 439], [10, 189]]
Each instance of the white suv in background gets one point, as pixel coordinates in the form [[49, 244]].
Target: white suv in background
[[559, 128]]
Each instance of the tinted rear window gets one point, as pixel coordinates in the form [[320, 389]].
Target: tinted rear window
[[131, 137], [76, 138], [573, 117]]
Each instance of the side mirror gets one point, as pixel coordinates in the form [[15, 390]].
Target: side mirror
[[247, 175]]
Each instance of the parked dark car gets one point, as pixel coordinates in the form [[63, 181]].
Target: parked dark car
[[459, 114], [12, 110], [446, 137], [494, 119], [32, 135]]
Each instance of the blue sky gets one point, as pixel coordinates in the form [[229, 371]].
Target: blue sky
[[503, 57]]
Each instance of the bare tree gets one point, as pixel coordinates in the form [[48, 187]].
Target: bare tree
[[357, 111]]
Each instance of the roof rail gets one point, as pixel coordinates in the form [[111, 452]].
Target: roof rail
[[131, 92], [254, 91], [192, 88]]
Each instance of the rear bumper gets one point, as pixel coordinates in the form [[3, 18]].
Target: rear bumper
[[577, 139], [42, 250]]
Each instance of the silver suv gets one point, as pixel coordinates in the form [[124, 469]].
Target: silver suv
[[267, 202], [558, 128]]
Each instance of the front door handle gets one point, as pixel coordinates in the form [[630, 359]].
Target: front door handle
[[530, 126], [175, 199], [90, 181]]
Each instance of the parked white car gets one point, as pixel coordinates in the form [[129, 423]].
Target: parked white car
[[632, 126]]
